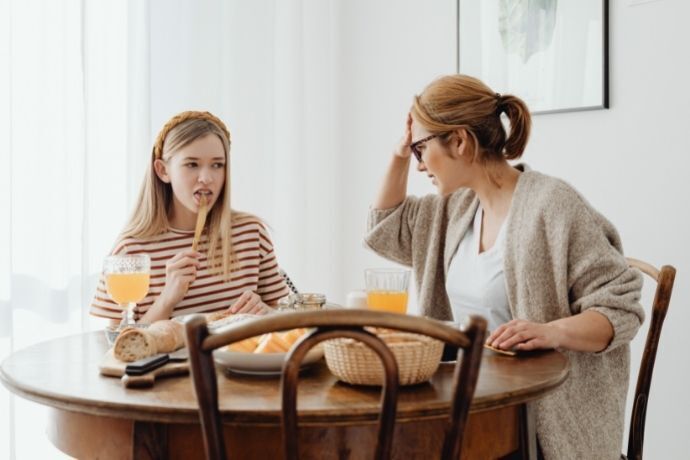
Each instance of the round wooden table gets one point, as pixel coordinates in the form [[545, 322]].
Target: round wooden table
[[93, 416]]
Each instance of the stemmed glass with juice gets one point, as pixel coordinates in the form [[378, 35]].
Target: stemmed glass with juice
[[387, 289], [127, 282]]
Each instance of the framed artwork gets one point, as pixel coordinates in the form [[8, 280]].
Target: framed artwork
[[551, 53]]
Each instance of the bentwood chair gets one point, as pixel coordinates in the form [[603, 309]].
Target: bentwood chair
[[327, 325], [664, 279]]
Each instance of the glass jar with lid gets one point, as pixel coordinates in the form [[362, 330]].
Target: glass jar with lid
[[302, 302]]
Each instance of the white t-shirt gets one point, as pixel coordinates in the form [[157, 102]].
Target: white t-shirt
[[476, 283]]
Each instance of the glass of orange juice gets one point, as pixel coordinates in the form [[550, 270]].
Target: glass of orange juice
[[127, 282], [387, 289]]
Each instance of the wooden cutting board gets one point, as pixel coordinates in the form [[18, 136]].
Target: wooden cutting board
[[112, 367]]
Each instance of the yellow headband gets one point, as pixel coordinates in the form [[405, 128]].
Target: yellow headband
[[182, 117]]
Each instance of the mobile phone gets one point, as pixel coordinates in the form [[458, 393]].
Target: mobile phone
[[147, 364], [450, 353]]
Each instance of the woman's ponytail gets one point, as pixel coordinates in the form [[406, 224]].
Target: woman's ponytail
[[520, 125]]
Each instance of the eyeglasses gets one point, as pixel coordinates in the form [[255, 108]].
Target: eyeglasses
[[415, 146]]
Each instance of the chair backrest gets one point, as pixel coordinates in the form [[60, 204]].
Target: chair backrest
[[664, 279], [329, 325]]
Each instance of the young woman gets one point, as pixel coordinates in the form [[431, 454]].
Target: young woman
[[523, 249], [235, 267]]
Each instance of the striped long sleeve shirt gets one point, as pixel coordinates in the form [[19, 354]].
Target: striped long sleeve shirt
[[257, 271]]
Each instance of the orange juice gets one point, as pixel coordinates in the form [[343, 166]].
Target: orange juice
[[124, 288], [390, 301]]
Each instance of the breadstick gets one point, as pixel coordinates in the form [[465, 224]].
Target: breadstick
[[200, 221]]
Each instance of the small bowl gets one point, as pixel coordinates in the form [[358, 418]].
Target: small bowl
[[111, 332]]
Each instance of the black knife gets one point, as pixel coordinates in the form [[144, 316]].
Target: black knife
[[147, 364]]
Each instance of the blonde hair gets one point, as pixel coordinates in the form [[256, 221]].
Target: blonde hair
[[150, 216], [463, 102]]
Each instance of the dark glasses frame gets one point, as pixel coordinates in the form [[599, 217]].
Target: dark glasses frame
[[415, 146]]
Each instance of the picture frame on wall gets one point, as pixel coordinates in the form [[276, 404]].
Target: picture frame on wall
[[551, 53]]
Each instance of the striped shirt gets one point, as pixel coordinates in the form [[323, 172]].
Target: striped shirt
[[257, 271]]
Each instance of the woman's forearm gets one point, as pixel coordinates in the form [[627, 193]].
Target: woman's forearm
[[158, 311], [588, 331], [394, 188]]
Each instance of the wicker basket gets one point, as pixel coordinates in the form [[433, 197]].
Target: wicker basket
[[418, 357]]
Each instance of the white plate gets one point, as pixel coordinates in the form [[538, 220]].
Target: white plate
[[260, 363]]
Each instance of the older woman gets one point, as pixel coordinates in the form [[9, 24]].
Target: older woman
[[523, 249]]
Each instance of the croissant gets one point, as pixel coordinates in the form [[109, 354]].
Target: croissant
[[275, 342]]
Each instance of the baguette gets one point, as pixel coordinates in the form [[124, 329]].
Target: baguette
[[132, 344], [163, 336]]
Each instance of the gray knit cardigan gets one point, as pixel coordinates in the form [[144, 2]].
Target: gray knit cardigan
[[561, 258]]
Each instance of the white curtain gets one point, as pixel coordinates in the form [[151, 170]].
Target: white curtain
[[84, 87], [269, 69], [73, 130]]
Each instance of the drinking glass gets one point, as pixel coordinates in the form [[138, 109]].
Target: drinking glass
[[127, 282], [387, 289]]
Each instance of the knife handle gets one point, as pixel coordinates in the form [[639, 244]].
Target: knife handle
[[147, 364], [147, 380], [139, 381]]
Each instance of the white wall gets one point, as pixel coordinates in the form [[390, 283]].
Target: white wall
[[632, 163], [629, 161], [389, 50]]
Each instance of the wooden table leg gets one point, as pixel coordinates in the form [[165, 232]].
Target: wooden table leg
[[528, 432], [89, 436], [150, 441]]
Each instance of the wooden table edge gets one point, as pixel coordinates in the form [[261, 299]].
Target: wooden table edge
[[313, 418]]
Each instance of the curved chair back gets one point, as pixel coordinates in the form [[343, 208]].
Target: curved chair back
[[664, 279], [330, 324]]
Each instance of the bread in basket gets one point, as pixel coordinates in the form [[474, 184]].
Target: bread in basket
[[418, 357]]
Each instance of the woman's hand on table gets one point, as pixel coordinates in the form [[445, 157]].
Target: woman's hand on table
[[250, 302], [588, 331], [524, 335]]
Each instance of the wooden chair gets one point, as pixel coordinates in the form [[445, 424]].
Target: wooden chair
[[329, 325], [664, 279]]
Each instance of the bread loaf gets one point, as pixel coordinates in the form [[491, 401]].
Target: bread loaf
[[134, 343]]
